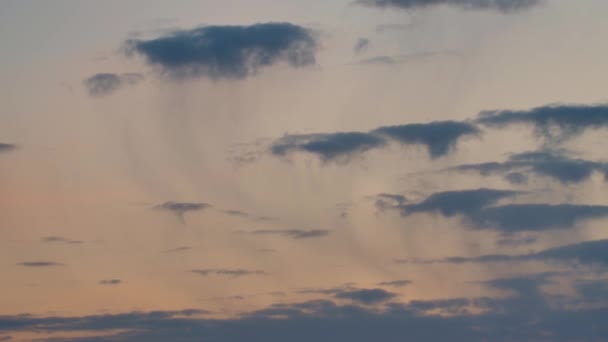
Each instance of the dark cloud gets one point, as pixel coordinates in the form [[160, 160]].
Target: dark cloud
[[228, 272], [5, 338], [504, 6], [59, 239], [395, 283], [361, 45], [229, 52], [103, 84], [386, 201], [238, 213], [178, 249], [110, 282], [553, 164], [438, 137], [588, 253], [331, 146], [379, 60], [294, 233], [366, 296], [478, 209], [39, 264], [517, 240], [595, 290], [181, 208], [523, 315], [7, 147], [555, 122]]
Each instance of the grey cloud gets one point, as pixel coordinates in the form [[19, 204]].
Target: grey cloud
[[227, 52], [517, 240], [103, 84], [59, 239], [238, 213], [583, 253], [331, 146], [110, 282], [595, 290], [39, 264], [366, 296], [553, 164], [7, 147], [228, 272], [395, 283], [554, 122], [504, 6], [5, 338], [178, 249], [478, 210], [181, 208], [361, 45], [412, 57], [294, 233], [439, 137], [386, 201]]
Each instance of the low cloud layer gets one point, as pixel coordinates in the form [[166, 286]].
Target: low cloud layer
[[104, 84], [505, 6], [438, 137], [228, 52]]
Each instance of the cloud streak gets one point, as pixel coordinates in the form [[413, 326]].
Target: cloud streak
[[228, 272], [504, 6], [297, 234]]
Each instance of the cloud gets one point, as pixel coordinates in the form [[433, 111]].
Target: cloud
[[439, 137], [7, 147], [554, 122], [596, 290], [227, 52], [395, 283], [504, 6], [582, 253], [178, 249], [39, 264], [477, 208], [294, 233], [104, 84], [361, 45], [238, 213], [553, 164], [59, 239], [366, 296], [412, 57], [386, 201], [331, 146], [181, 208], [228, 272], [110, 282]]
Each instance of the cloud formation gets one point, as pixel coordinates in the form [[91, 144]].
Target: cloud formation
[[553, 164], [361, 45], [7, 147], [228, 272], [103, 84], [110, 282], [181, 208], [366, 296], [294, 233], [554, 122], [586, 253], [478, 209], [395, 283], [39, 264], [504, 6], [59, 239], [439, 137], [227, 52]]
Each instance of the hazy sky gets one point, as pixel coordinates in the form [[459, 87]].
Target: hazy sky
[[367, 170]]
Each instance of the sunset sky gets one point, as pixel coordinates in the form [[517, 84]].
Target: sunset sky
[[290, 170]]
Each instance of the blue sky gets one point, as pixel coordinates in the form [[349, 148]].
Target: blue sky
[[261, 170]]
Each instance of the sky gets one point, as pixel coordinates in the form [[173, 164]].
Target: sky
[[347, 170]]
